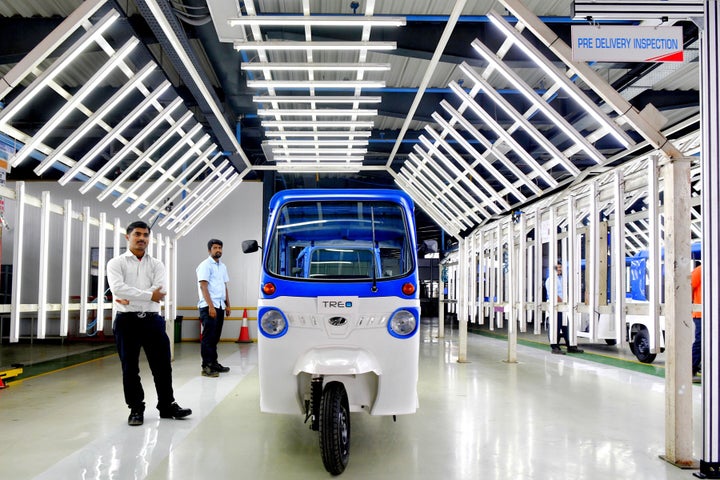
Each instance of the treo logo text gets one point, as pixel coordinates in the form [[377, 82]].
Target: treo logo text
[[336, 304]]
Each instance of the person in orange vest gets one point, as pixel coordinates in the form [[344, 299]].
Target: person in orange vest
[[696, 283]]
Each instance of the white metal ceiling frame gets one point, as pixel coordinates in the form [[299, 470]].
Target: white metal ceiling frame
[[430, 187], [447, 185], [195, 156], [445, 163], [287, 159]]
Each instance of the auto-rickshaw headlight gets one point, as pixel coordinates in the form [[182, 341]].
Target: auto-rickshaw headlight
[[272, 323], [403, 323]]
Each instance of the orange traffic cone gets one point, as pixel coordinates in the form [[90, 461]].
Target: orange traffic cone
[[244, 330]]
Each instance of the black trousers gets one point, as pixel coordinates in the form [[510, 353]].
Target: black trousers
[[133, 332], [212, 328], [562, 332]]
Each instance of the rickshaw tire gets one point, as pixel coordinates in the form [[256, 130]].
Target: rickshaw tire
[[642, 347], [335, 428]]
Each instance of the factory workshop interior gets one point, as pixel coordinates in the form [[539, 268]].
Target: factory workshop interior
[[531, 145]]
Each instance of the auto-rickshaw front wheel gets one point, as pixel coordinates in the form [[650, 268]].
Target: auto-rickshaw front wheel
[[334, 428]]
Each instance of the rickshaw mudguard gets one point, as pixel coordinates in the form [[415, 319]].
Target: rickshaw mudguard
[[337, 360]]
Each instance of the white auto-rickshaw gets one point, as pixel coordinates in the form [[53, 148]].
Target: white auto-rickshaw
[[339, 312]]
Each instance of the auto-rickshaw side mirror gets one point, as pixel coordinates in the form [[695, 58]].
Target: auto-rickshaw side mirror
[[250, 246]]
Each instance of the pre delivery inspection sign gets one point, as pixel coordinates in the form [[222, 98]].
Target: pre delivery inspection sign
[[626, 43]]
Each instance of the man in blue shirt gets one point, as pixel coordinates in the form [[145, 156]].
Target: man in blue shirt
[[214, 305], [562, 330]]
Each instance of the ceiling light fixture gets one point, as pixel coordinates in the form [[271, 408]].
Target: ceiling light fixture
[[263, 112], [315, 67], [313, 99], [297, 45], [316, 84], [317, 21], [317, 143], [319, 151], [318, 124], [319, 133]]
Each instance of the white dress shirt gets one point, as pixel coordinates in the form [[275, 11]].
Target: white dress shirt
[[135, 279]]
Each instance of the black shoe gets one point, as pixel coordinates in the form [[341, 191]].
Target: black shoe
[[208, 371], [219, 368], [557, 351], [573, 349], [136, 418], [174, 411]]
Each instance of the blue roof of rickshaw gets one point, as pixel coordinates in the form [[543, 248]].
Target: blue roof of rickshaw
[[286, 196]]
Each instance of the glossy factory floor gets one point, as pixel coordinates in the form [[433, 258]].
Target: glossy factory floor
[[546, 417]]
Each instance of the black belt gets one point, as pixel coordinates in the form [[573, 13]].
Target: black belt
[[138, 314]]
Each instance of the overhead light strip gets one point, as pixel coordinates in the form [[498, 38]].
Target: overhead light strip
[[315, 99], [279, 45], [327, 112], [315, 84], [561, 79], [314, 67], [319, 151], [319, 133], [318, 158], [317, 21], [318, 143], [316, 124]]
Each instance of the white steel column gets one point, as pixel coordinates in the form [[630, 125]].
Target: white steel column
[[65, 282], [441, 301], [43, 267], [522, 273], [18, 242], [679, 330], [592, 263], [537, 274], [572, 270], [710, 107], [482, 263], [84, 269], [512, 314], [462, 300], [618, 258], [653, 264], [552, 306], [100, 312]]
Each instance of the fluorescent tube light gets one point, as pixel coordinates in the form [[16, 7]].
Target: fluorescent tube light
[[317, 21], [327, 112], [297, 45], [326, 133], [319, 151], [317, 143], [313, 99], [318, 158], [315, 67], [319, 124], [316, 84]]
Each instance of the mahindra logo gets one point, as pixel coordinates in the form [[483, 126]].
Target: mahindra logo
[[337, 321], [336, 304]]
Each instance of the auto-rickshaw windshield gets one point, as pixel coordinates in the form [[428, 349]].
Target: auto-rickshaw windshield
[[342, 240]]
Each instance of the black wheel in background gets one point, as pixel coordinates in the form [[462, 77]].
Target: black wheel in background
[[642, 347], [335, 428]]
